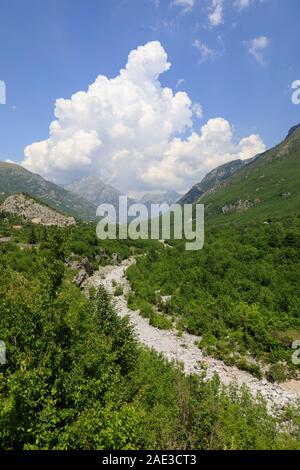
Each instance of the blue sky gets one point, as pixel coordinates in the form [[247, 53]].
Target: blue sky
[[238, 62]]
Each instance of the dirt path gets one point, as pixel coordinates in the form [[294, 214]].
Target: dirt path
[[183, 349]]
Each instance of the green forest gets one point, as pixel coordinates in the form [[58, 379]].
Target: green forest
[[75, 376], [240, 293]]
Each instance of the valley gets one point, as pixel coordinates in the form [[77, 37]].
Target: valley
[[149, 233], [184, 350], [139, 331]]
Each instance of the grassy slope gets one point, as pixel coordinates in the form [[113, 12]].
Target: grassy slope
[[267, 178]]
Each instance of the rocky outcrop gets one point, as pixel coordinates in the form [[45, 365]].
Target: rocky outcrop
[[34, 212], [14, 179], [240, 205], [85, 270], [80, 278], [116, 259], [103, 256]]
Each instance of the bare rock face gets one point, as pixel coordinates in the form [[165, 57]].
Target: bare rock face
[[36, 213], [240, 205], [86, 266], [103, 256], [116, 259], [80, 278], [85, 271]]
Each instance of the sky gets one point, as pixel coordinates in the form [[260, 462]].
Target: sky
[[149, 95]]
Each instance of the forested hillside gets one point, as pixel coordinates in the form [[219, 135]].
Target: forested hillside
[[241, 292], [269, 186], [16, 179], [75, 377]]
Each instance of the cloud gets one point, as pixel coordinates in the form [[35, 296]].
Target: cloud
[[205, 52], [186, 4], [197, 110], [134, 133], [200, 153], [256, 47], [241, 4], [216, 9], [179, 82], [216, 13]]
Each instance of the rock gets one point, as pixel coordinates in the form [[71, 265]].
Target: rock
[[86, 266], [73, 264], [36, 213], [240, 205], [165, 299], [116, 259], [80, 278], [103, 256], [286, 195], [85, 270], [5, 239]]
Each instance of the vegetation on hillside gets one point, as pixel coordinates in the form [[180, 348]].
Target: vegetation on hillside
[[240, 293], [76, 378], [271, 182]]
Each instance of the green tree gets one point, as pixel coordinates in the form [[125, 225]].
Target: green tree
[[32, 239]]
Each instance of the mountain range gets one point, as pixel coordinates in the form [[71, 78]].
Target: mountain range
[[166, 197], [93, 190], [267, 184], [16, 179], [212, 179]]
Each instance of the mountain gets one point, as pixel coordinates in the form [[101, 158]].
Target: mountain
[[167, 197], [16, 179], [267, 187], [212, 179], [31, 210], [93, 190]]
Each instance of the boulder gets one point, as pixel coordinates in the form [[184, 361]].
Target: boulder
[[116, 259], [86, 266], [80, 278], [103, 256], [240, 205]]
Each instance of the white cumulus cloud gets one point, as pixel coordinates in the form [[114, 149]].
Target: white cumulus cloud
[[135, 133], [200, 153]]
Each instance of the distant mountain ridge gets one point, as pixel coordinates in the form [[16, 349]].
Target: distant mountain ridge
[[16, 179], [93, 190], [167, 197], [212, 179], [266, 187], [293, 129]]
